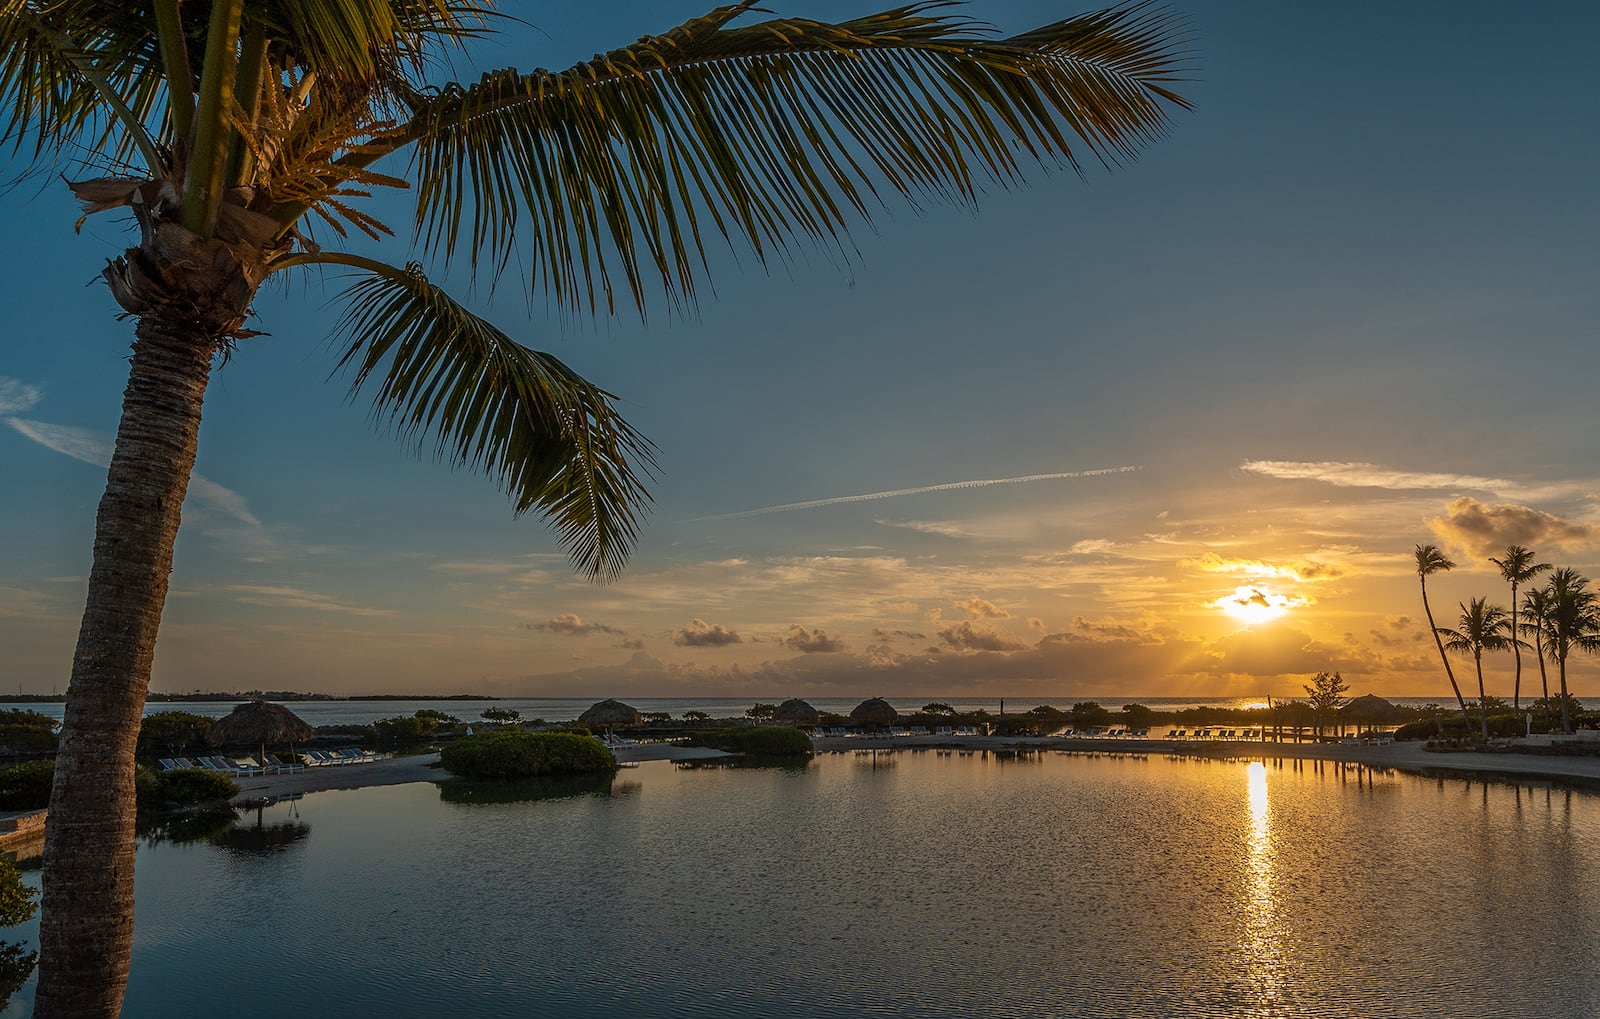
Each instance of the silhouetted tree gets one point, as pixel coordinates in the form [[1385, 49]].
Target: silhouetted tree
[[1517, 568], [1326, 695], [1430, 561]]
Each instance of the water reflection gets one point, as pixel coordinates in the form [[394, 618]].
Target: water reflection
[[788, 764], [1263, 939], [533, 790], [222, 829]]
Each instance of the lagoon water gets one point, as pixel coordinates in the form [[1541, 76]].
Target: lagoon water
[[906, 884]]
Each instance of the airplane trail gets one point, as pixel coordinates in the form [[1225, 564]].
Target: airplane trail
[[948, 487]]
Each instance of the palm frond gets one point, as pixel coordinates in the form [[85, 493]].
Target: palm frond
[[774, 132], [550, 438]]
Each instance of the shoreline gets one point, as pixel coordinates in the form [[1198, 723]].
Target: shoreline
[[1579, 772]]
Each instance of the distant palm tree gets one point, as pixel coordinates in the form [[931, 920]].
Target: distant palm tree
[[1517, 567], [1536, 610], [1430, 561], [243, 136], [1484, 627], [1573, 621]]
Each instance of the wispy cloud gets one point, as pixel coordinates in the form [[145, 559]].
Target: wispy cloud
[[789, 507], [1351, 474], [95, 448], [297, 598], [18, 397]]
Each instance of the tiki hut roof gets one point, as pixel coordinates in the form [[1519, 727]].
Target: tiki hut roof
[[796, 712], [258, 722], [874, 711], [610, 712], [1370, 708]]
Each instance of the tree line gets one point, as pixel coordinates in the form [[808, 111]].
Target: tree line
[[1558, 618]]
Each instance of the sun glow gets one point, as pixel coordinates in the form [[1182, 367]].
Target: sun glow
[[1255, 604]]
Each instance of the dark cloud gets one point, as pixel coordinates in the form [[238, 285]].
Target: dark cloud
[[966, 637], [1487, 530], [813, 642], [883, 636], [632, 645], [700, 633], [570, 625]]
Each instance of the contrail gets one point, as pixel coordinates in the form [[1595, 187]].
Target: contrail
[[869, 496]]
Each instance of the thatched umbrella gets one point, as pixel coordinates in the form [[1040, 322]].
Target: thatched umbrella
[[797, 712], [874, 713], [607, 713], [259, 722], [1369, 709]]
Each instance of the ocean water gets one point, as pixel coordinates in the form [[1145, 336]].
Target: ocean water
[[358, 712], [932, 883]]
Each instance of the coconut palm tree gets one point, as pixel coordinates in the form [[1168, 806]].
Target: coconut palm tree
[[1571, 621], [1429, 561], [1517, 568], [244, 137], [1484, 627], [1535, 613]]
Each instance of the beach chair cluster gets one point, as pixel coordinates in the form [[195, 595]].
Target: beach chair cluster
[[237, 766], [1215, 734], [611, 741], [333, 758], [1112, 732], [828, 732]]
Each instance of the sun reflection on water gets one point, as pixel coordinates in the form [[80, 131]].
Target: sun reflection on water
[[1262, 946]]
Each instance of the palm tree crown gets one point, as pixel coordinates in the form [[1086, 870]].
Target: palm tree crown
[[1571, 622]]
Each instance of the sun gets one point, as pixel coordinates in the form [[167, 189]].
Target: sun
[[1253, 604]]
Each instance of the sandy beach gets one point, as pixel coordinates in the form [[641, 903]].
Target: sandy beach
[[1412, 757]]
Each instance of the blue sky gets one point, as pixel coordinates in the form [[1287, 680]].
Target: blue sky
[[1345, 307]]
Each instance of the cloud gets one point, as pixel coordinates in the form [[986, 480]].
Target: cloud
[[569, 624], [1035, 623], [789, 507], [811, 642], [883, 636], [964, 636], [1348, 474], [1298, 570], [1487, 530], [943, 528], [981, 608], [18, 397], [1259, 598], [204, 495], [296, 598], [700, 633]]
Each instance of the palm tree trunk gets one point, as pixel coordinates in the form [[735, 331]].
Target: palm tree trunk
[[1516, 653], [1566, 716], [1544, 679], [86, 922], [1449, 673], [1483, 698]]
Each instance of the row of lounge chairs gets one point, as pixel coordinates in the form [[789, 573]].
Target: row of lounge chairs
[[1115, 732], [269, 764], [897, 730]]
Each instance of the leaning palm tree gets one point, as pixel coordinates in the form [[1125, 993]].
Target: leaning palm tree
[[1484, 627], [1517, 568], [1572, 621], [243, 137], [1535, 614], [1430, 560]]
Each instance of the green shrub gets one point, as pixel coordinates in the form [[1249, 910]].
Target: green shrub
[[167, 732], [401, 727], [188, 786], [27, 731], [16, 899], [763, 740], [27, 786], [525, 755]]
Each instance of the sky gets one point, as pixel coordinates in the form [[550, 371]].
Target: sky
[[1168, 431]]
